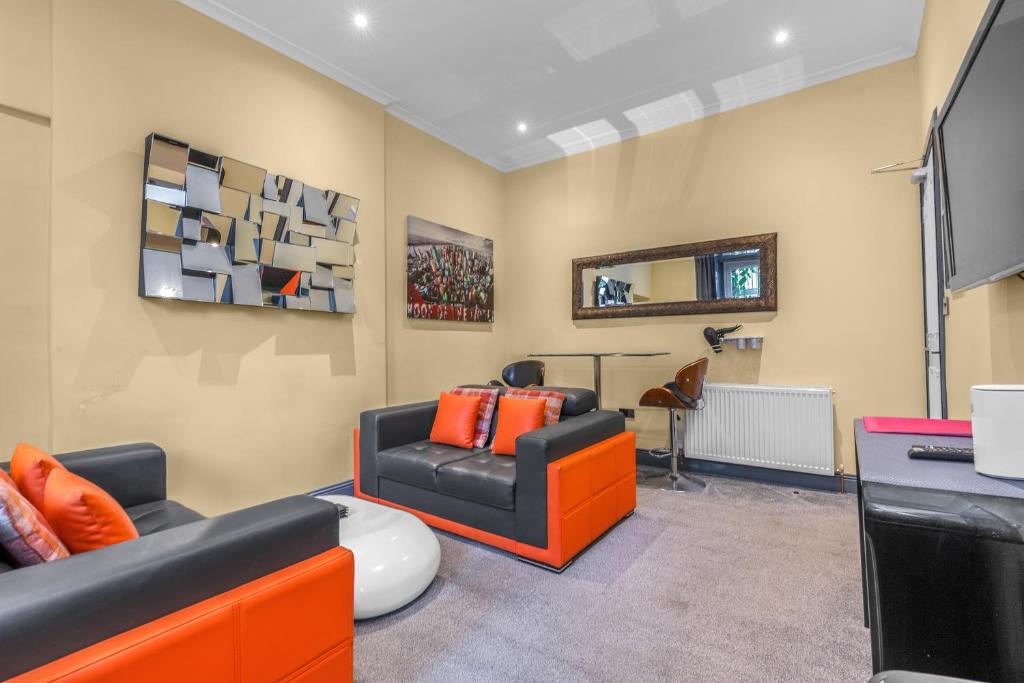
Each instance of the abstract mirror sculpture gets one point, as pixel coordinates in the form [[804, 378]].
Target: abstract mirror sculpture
[[721, 276], [219, 230]]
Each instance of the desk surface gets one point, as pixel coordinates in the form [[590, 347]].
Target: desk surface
[[598, 353], [882, 459]]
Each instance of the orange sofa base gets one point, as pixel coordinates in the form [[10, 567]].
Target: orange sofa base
[[588, 493], [293, 625]]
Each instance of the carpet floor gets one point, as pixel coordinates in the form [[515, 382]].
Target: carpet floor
[[741, 582]]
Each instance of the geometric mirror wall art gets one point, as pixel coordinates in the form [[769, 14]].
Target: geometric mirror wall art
[[222, 231]]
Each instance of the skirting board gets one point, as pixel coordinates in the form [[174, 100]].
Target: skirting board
[[768, 475], [345, 488], [808, 481]]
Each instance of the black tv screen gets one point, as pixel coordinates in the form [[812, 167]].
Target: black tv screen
[[981, 134]]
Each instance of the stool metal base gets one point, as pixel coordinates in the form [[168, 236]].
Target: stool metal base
[[679, 482]]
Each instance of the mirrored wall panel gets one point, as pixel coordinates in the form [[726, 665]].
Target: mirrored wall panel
[[219, 230], [702, 277]]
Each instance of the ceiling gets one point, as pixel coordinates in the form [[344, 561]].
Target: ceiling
[[579, 73]]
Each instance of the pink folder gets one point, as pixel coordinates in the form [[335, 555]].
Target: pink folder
[[917, 425]]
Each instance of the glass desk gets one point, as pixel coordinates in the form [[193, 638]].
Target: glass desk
[[597, 362]]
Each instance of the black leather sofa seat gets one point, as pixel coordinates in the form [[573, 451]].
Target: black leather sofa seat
[[482, 478], [417, 463]]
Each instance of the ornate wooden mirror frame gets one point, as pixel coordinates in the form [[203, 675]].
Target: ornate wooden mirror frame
[[766, 243]]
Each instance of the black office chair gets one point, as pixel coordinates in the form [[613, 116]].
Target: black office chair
[[522, 374]]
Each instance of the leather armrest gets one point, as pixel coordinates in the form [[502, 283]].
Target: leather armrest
[[53, 609], [534, 450], [547, 444], [133, 473], [386, 428]]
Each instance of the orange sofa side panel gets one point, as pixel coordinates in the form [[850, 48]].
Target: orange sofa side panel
[[292, 625]]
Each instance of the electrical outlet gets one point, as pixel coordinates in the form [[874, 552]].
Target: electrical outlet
[[628, 412]]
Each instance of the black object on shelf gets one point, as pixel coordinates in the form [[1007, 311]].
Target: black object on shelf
[[948, 453]]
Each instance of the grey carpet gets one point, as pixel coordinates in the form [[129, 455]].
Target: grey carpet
[[741, 582]]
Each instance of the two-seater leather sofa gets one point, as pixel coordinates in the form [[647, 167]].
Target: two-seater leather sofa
[[261, 594], [567, 484]]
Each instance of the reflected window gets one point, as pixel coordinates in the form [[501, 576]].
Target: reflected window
[[742, 278]]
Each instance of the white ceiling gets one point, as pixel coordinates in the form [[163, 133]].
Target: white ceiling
[[580, 73]]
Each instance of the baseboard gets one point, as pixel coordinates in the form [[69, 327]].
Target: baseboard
[[345, 488], [818, 482]]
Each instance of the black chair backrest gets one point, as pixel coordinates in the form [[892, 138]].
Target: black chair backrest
[[523, 373]]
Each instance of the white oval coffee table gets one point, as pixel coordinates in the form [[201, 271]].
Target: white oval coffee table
[[396, 555]]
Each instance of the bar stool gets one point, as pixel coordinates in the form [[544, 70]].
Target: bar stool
[[684, 393]]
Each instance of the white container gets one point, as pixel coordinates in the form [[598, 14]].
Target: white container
[[997, 420]]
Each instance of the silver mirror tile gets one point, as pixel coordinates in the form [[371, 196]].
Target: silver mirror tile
[[205, 258], [166, 195], [245, 285], [344, 296], [314, 206], [161, 274]]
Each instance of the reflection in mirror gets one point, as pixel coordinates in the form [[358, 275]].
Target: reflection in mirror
[[709, 277], [724, 275]]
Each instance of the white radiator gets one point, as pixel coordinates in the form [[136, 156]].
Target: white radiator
[[786, 428]]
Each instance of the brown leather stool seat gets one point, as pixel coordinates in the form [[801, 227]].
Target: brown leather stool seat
[[683, 393]]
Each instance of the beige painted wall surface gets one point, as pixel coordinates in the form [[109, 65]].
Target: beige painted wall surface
[[985, 326], [431, 180], [25, 227], [249, 404], [25, 56], [24, 308], [849, 257]]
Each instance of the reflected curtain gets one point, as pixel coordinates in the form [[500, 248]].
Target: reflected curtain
[[705, 267]]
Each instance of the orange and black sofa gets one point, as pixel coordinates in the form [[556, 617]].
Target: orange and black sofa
[[567, 484], [261, 594]]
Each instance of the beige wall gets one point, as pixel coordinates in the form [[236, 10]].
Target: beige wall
[[985, 326], [431, 180], [849, 256], [25, 227], [249, 404]]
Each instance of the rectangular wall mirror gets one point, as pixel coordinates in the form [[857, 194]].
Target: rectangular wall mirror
[[720, 276]]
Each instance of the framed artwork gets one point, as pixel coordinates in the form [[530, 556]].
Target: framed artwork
[[222, 231], [449, 273]]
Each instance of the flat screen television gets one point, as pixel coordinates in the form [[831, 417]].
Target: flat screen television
[[981, 146]]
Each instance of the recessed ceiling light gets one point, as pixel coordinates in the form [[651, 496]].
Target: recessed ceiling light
[[522, 127], [781, 36], [361, 20]]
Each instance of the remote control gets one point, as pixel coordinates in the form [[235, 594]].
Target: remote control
[[941, 453]]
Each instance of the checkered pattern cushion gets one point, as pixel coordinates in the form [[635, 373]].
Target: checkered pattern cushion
[[488, 400], [24, 533], [554, 399]]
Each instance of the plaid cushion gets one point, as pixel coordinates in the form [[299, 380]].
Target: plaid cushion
[[554, 399], [24, 533], [488, 400]]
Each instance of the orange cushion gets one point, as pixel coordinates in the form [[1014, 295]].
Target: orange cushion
[[455, 423], [516, 416], [24, 533], [30, 468], [84, 516]]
